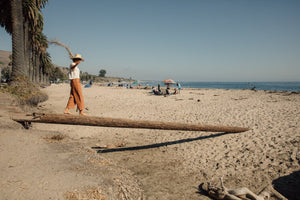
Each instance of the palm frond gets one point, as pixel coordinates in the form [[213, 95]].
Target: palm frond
[[5, 16], [41, 3], [61, 44]]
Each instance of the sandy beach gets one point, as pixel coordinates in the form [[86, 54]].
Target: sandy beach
[[120, 163]]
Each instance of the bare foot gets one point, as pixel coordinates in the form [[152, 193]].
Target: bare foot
[[67, 112], [83, 114]]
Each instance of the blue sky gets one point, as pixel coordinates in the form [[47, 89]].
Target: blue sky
[[192, 40]]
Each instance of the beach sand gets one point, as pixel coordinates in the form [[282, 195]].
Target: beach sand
[[154, 164]]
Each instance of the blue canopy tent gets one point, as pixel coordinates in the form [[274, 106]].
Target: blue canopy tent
[[136, 82]]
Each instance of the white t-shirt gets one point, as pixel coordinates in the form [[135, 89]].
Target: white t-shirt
[[74, 73]]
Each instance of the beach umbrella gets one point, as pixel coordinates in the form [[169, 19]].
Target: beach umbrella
[[168, 82]]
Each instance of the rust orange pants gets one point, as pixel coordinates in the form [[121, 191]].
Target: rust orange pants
[[75, 95]]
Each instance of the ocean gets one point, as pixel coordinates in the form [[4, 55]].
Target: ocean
[[272, 86]]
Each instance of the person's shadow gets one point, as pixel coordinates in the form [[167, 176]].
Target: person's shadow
[[156, 145]]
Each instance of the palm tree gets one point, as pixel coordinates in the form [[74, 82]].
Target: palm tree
[[36, 39], [29, 13], [42, 53], [33, 20], [18, 65], [40, 44], [47, 66], [32, 23], [35, 56]]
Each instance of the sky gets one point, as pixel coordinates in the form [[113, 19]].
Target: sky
[[187, 40]]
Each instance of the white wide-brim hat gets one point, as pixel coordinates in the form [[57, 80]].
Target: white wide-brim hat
[[78, 56]]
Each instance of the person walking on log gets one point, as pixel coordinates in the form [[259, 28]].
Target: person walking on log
[[76, 93]]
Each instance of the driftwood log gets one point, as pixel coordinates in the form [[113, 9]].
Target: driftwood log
[[121, 123], [223, 193]]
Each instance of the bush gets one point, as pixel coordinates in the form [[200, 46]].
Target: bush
[[26, 92], [34, 100], [6, 73]]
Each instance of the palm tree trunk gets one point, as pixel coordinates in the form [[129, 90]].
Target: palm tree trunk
[[48, 79], [40, 74], [33, 57], [18, 65], [43, 77], [30, 64], [33, 64], [26, 50], [37, 66]]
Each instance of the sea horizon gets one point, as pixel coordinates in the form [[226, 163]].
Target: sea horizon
[[256, 85]]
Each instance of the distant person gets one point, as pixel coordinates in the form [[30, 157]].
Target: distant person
[[156, 92], [175, 91], [179, 87], [158, 87], [76, 92], [153, 89], [168, 91]]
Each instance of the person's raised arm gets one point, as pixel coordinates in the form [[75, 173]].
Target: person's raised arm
[[73, 66]]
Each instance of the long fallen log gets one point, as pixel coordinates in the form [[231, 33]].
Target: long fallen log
[[122, 123]]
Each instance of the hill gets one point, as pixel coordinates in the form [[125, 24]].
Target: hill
[[4, 58], [4, 61]]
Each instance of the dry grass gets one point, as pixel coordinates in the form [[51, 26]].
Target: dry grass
[[99, 161], [26, 92], [55, 138], [88, 194], [116, 145]]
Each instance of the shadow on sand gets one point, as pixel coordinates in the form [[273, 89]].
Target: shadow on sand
[[288, 185], [156, 145]]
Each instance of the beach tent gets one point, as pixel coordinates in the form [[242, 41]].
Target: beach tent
[[136, 82]]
